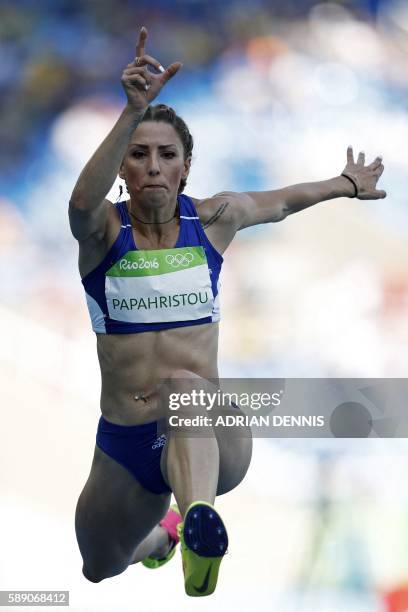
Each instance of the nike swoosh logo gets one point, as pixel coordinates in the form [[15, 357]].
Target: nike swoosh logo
[[204, 586]]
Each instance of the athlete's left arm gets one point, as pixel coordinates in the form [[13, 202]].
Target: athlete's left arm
[[254, 207]]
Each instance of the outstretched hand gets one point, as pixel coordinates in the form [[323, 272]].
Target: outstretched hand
[[366, 177], [140, 84]]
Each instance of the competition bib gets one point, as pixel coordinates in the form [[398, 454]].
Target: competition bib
[[160, 286]]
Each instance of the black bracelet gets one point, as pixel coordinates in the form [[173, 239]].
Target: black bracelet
[[354, 183]]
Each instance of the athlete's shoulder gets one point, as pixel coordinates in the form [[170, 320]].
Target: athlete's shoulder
[[217, 208], [219, 218]]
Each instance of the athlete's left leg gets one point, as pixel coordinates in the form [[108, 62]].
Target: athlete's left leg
[[199, 463], [213, 460]]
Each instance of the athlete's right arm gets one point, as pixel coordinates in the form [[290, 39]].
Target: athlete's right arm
[[88, 207]]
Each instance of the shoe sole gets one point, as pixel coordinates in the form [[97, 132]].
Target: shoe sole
[[204, 542]]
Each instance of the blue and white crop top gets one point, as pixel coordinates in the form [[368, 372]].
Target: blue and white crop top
[[134, 291]]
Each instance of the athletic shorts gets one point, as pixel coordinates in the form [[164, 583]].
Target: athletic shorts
[[137, 448]]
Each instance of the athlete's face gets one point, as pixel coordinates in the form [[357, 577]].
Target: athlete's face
[[155, 156]]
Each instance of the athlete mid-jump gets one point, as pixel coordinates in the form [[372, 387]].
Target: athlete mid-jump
[[150, 266]]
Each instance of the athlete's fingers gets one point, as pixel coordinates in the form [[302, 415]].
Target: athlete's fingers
[[361, 158], [145, 60], [380, 193], [130, 73], [133, 71], [375, 163], [350, 156], [170, 71], [135, 79], [140, 47]]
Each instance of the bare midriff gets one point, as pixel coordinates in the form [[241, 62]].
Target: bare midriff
[[135, 365]]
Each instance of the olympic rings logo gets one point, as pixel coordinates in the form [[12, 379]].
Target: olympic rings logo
[[179, 260]]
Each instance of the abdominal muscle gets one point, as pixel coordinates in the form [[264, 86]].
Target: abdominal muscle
[[135, 364]]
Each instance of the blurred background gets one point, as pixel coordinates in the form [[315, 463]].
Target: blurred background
[[273, 93]]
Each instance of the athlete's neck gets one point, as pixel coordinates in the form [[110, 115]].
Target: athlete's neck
[[154, 221], [155, 235]]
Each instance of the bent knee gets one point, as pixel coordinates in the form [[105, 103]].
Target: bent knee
[[182, 373], [185, 383], [233, 468], [97, 574], [180, 381], [92, 577], [103, 564]]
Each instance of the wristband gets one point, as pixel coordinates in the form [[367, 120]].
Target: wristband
[[354, 183]]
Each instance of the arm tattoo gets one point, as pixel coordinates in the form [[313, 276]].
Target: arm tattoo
[[216, 215]]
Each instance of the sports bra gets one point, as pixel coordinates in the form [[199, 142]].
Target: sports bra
[[134, 290]]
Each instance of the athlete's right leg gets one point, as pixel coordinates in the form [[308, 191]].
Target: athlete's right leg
[[116, 519]]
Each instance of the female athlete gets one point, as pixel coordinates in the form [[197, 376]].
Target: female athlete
[[150, 267]]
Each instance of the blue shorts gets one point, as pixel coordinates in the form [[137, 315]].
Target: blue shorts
[[137, 448]]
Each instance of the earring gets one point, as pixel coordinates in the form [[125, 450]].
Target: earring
[[120, 193]]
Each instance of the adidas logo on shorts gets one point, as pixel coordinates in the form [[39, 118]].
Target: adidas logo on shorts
[[161, 441]]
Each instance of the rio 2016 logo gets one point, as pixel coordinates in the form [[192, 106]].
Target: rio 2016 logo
[[180, 259], [140, 264]]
